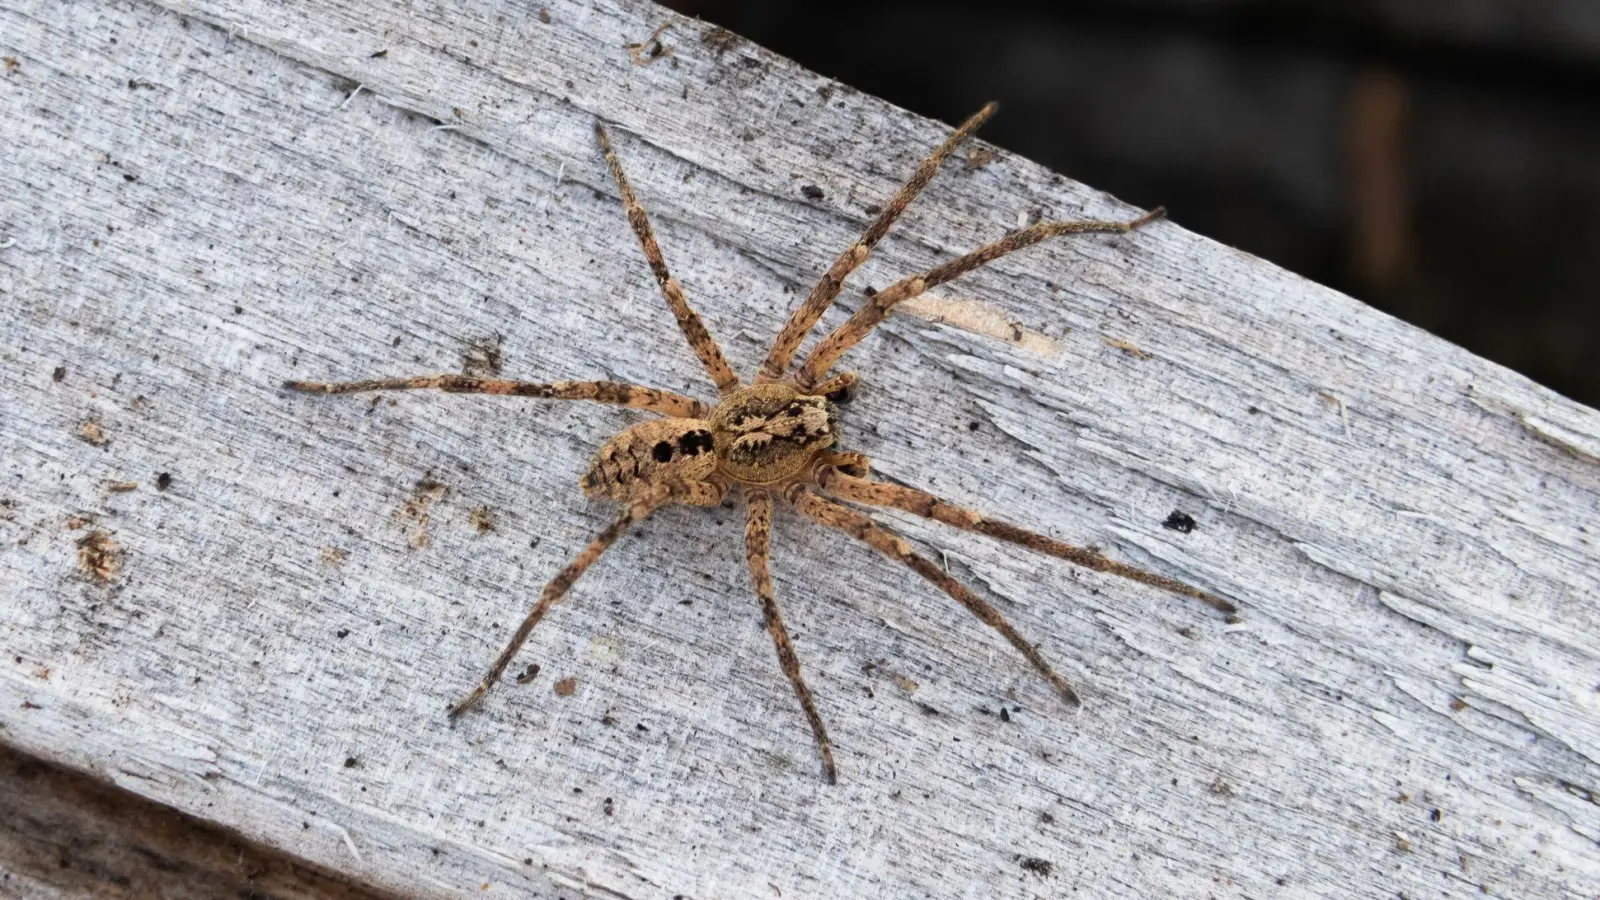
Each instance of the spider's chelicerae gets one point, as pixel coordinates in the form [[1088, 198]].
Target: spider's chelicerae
[[777, 437]]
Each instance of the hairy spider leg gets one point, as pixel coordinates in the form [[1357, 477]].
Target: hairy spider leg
[[700, 340], [846, 520], [616, 393], [841, 339], [703, 494], [876, 493], [757, 552], [805, 315]]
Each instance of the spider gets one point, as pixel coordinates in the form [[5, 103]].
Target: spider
[[777, 437]]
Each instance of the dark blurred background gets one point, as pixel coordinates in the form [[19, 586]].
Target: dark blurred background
[[1438, 159]]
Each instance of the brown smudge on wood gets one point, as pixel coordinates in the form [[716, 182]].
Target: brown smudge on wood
[[977, 158], [1127, 348], [99, 557], [566, 686], [93, 432], [417, 509], [482, 519], [483, 357]]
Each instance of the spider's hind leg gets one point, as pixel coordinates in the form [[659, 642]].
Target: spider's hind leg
[[848, 485], [846, 520], [757, 551]]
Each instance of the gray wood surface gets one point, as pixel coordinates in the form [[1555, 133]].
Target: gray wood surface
[[196, 203]]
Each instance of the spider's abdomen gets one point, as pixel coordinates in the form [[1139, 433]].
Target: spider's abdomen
[[768, 433], [664, 451]]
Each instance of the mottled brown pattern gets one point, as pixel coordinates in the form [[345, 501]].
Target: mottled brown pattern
[[775, 438], [663, 451]]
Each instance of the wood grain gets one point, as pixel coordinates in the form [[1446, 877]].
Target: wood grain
[[198, 203]]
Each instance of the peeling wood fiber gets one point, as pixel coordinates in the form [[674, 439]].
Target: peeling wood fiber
[[202, 198]]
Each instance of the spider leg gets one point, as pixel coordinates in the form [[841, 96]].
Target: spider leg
[[822, 296], [841, 339], [757, 535], [858, 526], [700, 340], [557, 588], [876, 493], [657, 401]]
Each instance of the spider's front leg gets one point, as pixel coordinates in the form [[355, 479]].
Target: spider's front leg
[[615, 393]]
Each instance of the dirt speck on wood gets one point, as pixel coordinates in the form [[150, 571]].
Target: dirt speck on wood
[[93, 432], [99, 557]]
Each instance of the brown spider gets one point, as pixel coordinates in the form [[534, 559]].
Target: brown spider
[[776, 437]]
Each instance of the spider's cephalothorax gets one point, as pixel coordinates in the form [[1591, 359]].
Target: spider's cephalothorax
[[774, 439], [771, 433]]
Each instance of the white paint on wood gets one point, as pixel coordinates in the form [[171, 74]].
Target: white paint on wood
[[202, 204]]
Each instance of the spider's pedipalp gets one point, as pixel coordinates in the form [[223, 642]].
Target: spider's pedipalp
[[757, 551], [615, 393], [700, 340], [805, 315], [846, 520], [860, 324], [848, 486]]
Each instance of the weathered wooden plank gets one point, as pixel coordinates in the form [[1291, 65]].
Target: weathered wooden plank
[[197, 204], [67, 835]]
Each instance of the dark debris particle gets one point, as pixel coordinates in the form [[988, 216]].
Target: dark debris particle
[[342, 633], [528, 674], [129, 176], [350, 762], [1180, 521], [544, 16], [609, 809], [720, 40], [812, 192], [378, 54], [1037, 866], [1005, 715], [163, 481], [926, 709], [59, 374]]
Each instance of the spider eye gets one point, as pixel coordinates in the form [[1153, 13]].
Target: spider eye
[[662, 451], [793, 411]]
